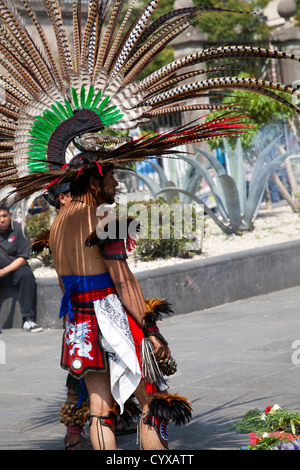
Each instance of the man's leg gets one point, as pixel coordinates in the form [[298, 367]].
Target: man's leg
[[24, 280], [149, 436], [74, 438], [101, 402]]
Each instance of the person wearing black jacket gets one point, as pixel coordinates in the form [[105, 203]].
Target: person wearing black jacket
[[14, 270]]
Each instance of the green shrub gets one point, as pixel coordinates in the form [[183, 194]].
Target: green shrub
[[167, 242], [147, 248], [36, 224]]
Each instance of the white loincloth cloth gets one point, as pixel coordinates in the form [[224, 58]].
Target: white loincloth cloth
[[125, 372]]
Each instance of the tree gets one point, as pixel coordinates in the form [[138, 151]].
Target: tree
[[234, 26], [261, 111], [219, 25]]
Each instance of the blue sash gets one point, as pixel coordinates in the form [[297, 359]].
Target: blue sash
[[75, 284]]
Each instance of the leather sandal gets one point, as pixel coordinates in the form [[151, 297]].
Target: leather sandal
[[80, 444]]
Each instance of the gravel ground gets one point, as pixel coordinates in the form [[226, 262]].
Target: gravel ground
[[274, 225]]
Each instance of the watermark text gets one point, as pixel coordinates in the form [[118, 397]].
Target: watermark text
[[155, 221]]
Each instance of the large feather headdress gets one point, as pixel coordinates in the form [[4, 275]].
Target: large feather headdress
[[49, 105]]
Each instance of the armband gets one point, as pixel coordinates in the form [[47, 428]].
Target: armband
[[113, 250], [158, 335]]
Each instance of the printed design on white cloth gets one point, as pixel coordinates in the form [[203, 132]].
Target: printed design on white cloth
[[114, 311], [117, 340], [77, 335]]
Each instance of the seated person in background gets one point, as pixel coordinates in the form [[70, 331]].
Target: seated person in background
[[14, 270]]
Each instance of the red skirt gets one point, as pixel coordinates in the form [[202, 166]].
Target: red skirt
[[82, 349]]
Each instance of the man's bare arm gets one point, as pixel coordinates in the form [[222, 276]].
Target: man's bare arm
[[127, 287], [13, 266], [132, 298]]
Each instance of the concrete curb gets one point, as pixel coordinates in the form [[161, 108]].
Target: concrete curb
[[200, 285], [191, 286]]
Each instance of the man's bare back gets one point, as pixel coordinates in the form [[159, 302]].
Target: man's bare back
[[67, 241]]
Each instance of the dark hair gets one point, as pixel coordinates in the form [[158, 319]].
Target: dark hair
[[52, 195], [4, 207], [52, 200], [88, 167]]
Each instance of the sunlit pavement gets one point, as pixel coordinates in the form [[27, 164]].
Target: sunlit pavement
[[231, 358]]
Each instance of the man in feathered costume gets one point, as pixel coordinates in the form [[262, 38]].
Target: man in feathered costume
[[105, 311], [52, 111]]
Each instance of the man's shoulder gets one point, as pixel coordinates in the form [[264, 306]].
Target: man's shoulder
[[19, 231], [17, 227]]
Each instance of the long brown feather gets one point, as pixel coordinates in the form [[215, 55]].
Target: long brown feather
[[118, 39], [77, 35], [212, 53], [151, 49], [16, 25], [92, 14], [22, 56], [18, 73], [134, 33], [54, 12], [165, 18], [107, 37], [254, 85], [50, 57], [118, 10]]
